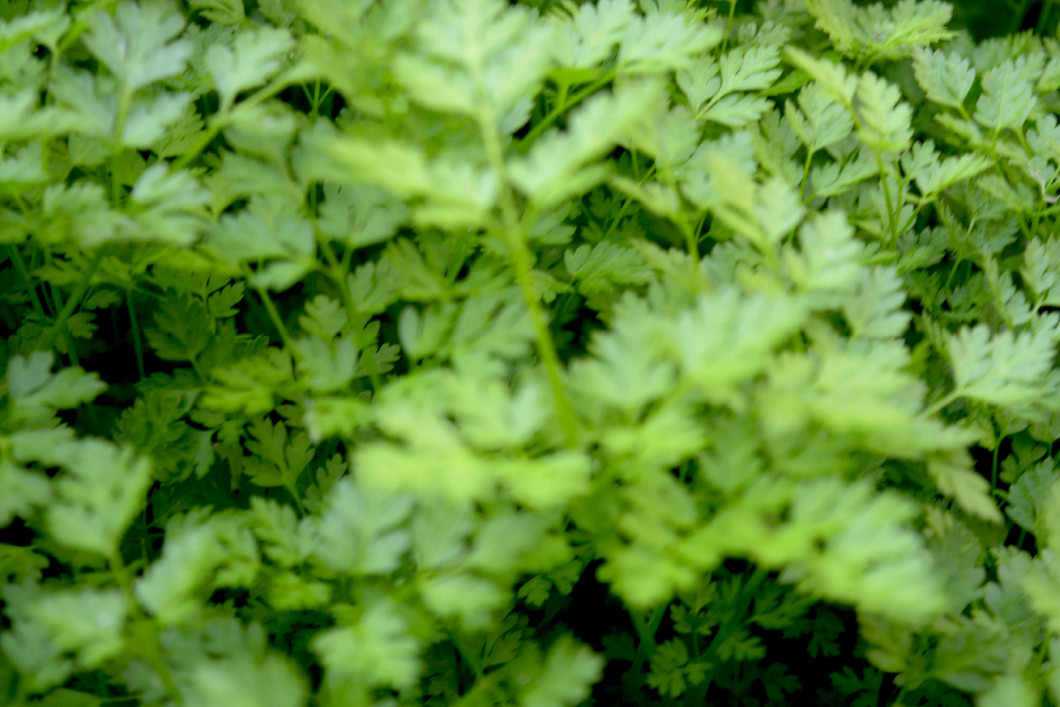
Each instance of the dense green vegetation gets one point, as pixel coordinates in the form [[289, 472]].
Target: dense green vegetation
[[462, 352]]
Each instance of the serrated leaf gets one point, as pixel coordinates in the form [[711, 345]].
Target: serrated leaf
[[1007, 99], [98, 497], [565, 677], [664, 41], [818, 121], [884, 121], [135, 44], [1001, 369], [875, 310], [36, 391], [1029, 495], [945, 77], [955, 476], [360, 530], [555, 167], [255, 56], [377, 649]]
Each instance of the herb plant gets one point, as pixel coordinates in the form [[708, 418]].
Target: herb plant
[[458, 352]]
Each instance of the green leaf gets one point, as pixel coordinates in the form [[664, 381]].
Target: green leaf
[[226, 12], [837, 19], [818, 121], [727, 338], [1028, 496], [150, 119], [831, 75], [183, 328], [884, 121], [375, 649], [63, 630], [135, 44], [359, 530], [279, 459], [663, 41], [21, 492], [737, 110], [828, 263], [242, 679], [1007, 99], [1003, 369], [1041, 271], [36, 392], [748, 68], [255, 56], [328, 366], [942, 173], [97, 497], [945, 77], [956, 476], [668, 664], [625, 369], [875, 309], [555, 167], [564, 678], [469, 599]]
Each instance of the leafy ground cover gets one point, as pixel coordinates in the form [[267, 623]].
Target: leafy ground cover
[[453, 352]]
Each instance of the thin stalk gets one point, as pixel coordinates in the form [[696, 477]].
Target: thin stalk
[[728, 25], [221, 120], [152, 649], [20, 268], [75, 299], [338, 274], [522, 264], [274, 315], [564, 104], [138, 344], [937, 406]]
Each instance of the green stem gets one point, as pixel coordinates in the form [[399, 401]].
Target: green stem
[[75, 300], [20, 268], [338, 274], [274, 314], [138, 344], [937, 406], [646, 627], [221, 120], [806, 174], [728, 25], [151, 649], [564, 104], [522, 263]]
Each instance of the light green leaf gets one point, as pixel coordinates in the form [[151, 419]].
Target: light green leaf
[[875, 309], [665, 41], [375, 649], [955, 476], [469, 599], [821, 122], [1003, 369], [555, 167], [884, 121], [360, 530], [98, 497], [36, 392], [135, 43], [255, 56], [945, 77], [150, 119], [1007, 99], [564, 678]]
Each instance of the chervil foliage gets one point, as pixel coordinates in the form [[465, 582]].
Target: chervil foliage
[[355, 352]]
